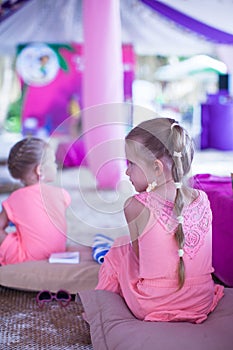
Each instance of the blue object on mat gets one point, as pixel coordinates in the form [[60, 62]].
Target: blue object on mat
[[9, 223], [100, 247]]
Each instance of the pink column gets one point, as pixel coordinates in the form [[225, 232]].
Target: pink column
[[103, 120]]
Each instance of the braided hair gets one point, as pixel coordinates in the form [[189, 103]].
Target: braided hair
[[25, 155], [165, 138], [180, 144]]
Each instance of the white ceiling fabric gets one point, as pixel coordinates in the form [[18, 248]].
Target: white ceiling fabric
[[42, 20], [215, 13], [151, 33], [61, 21]]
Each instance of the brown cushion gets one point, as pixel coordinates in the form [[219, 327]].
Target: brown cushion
[[39, 275], [113, 326]]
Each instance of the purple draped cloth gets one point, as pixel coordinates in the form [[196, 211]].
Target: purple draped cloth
[[190, 23], [220, 194]]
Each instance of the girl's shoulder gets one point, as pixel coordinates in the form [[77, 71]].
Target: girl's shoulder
[[133, 207], [19, 191], [137, 216], [142, 204]]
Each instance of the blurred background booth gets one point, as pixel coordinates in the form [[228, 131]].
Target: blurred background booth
[[217, 117]]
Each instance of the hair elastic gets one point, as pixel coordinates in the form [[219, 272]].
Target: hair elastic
[[151, 186], [174, 124], [178, 184], [180, 253], [177, 154], [180, 219]]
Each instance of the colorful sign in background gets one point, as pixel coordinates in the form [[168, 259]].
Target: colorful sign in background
[[51, 82]]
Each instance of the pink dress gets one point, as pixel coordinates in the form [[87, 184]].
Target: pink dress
[[39, 214], [149, 283]]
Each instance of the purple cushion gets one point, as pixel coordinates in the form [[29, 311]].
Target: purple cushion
[[113, 326], [219, 192]]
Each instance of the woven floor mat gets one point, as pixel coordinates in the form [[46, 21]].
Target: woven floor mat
[[25, 326]]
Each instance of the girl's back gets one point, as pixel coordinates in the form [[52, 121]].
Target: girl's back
[[158, 256]]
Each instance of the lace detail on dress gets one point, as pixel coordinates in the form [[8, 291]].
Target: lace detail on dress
[[197, 218], [162, 210], [197, 224]]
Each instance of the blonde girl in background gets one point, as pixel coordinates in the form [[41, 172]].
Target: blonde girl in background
[[38, 210], [163, 269]]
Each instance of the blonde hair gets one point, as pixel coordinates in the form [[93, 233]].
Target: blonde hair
[[166, 139], [25, 155]]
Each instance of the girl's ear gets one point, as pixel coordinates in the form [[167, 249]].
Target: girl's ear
[[38, 170], [159, 168]]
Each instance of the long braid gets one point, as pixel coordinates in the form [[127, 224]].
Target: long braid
[[179, 150]]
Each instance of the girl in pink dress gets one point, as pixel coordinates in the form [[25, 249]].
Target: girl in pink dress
[[38, 210], [163, 269]]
